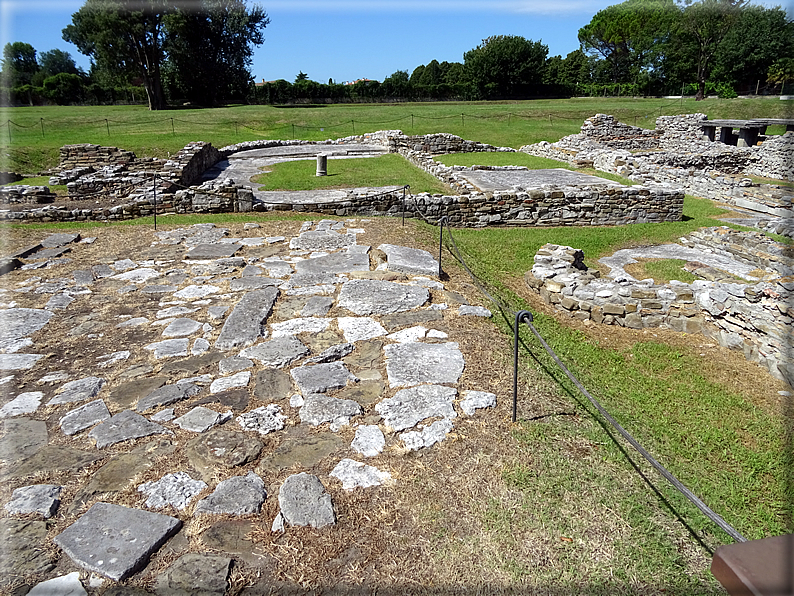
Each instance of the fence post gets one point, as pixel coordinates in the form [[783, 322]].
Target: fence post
[[107, 126], [41, 121], [520, 316], [173, 132], [441, 221], [403, 206], [154, 188]]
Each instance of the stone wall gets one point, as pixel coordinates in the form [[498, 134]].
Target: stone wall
[[756, 319], [22, 193], [87, 155], [604, 129], [701, 168]]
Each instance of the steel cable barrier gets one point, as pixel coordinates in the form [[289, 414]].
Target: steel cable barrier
[[527, 318]]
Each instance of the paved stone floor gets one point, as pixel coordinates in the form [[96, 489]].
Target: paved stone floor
[[490, 180], [220, 371]]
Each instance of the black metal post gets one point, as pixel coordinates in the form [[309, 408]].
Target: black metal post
[[107, 126], [404, 187], [520, 316], [173, 132], [441, 221], [41, 121], [154, 188]]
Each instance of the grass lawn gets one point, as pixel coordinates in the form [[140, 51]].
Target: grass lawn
[[661, 270], [386, 170], [31, 140]]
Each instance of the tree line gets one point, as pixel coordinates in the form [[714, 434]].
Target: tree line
[[199, 52]]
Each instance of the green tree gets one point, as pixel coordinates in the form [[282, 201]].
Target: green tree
[[454, 73], [702, 28], [416, 75], [63, 88], [55, 62], [396, 84], [759, 37], [431, 75], [781, 72], [302, 76], [630, 36], [208, 49], [505, 65], [125, 39], [19, 64]]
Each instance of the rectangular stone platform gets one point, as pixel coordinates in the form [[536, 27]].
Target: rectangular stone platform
[[492, 180]]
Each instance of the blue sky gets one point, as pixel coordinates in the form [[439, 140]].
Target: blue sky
[[350, 39]]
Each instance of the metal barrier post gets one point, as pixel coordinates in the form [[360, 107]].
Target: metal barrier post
[[154, 188], [520, 317], [441, 221]]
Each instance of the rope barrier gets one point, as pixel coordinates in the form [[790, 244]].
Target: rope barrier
[[527, 318]]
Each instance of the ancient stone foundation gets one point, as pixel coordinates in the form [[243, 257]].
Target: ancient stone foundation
[[756, 319]]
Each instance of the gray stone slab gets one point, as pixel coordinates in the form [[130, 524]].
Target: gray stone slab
[[360, 328], [310, 280], [56, 240], [213, 251], [253, 283], [167, 395], [473, 311], [221, 448], [233, 364], [116, 541], [84, 417], [263, 420], [407, 319], [101, 271], [19, 361], [22, 438], [241, 379], [354, 474], [138, 276], [201, 419], [251, 270], [332, 354], [319, 408], [278, 352], [301, 448], [415, 363], [195, 574], [181, 328], [176, 490], [65, 585], [491, 180], [334, 263], [319, 378], [217, 312], [410, 406], [79, 390], [475, 400], [169, 348], [370, 296], [273, 384], [195, 292], [245, 324], [238, 495], [124, 426], [304, 502], [23, 552], [41, 499], [59, 302], [409, 260], [317, 306], [16, 323], [369, 440], [84, 277], [427, 436], [323, 240], [24, 403]]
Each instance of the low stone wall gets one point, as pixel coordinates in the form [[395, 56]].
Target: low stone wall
[[22, 193], [187, 166], [756, 318], [701, 168], [88, 155], [604, 129], [750, 248]]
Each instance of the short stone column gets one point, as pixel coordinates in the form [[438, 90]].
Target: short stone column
[[322, 164]]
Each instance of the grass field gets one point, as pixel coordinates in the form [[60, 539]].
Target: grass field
[[30, 136]]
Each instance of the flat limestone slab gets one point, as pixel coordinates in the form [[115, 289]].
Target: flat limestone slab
[[414, 363], [116, 541], [304, 502], [123, 426], [16, 323], [320, 378], [409, 260], [278, 352], [372, 296], [324, 240], [238, 495], [410, 406], [213, 251], [490, 180], [352, 474], [245, 324], [334, 263]]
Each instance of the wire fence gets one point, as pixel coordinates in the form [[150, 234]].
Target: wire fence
[[46, 127]]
